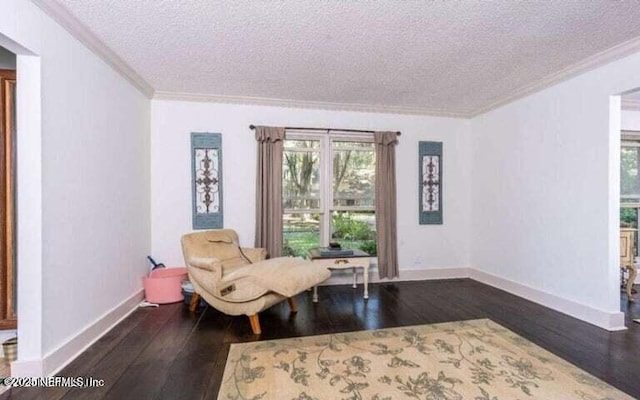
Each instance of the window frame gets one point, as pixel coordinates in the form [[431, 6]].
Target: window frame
[[326, 139], [629, 139], [307, 150]]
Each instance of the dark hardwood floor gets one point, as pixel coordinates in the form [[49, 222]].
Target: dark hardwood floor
[[168, 353]]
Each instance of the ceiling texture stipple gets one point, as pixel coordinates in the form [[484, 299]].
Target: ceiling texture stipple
[[447, 56]]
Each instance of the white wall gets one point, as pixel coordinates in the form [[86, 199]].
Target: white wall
[[631, 120], [420, 246], [546, 188], [7, 59], [93, 217], [95, 186]]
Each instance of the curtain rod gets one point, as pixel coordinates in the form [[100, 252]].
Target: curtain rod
[[252, 127]]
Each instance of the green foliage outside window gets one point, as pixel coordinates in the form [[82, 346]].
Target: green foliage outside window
[[347, 228], [629, 183], [629, 217], [370, 247], [352, 230]]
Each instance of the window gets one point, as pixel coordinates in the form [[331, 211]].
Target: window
[[629, 179], [328, 192]]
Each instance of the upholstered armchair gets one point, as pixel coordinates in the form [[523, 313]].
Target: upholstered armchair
[[239, 281]]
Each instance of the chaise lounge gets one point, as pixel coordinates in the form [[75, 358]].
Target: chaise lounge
[[239, 281]]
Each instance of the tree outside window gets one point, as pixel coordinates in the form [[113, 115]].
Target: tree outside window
[[629, 183], [328, 193]]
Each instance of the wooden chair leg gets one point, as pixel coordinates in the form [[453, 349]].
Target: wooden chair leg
[[292, 304], [255, 324], [195, 300]]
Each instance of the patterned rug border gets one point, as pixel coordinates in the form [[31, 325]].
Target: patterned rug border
[[436, 327], [368, 330]]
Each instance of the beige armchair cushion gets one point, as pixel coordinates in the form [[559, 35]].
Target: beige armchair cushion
[[207, 263], [255, 254], [217, 251], [286, 276]]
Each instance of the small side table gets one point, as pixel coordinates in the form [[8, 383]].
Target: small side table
[[359, 259]]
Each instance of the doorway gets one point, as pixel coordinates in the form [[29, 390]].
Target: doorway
[[630, 203], [8, 289]]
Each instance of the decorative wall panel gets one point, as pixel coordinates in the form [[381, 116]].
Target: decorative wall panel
[[430, 185], [206, 171]]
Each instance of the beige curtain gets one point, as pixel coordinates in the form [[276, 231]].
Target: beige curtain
[[386, 224], [269, 189]]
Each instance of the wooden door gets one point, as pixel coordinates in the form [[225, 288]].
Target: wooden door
[[7, 197]]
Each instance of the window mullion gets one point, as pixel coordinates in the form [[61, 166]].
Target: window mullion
[[327, 189]]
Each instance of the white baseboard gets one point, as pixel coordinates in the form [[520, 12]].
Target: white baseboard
[[432, 274], [344, 277], [57, 359], [60, 357], [611, 321], [27, 368]]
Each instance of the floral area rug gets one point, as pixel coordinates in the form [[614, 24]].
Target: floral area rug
[[476, 360]]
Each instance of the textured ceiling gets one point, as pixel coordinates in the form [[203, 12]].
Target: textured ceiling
[[452, 56]]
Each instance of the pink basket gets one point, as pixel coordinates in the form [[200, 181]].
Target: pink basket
[[163, 286]]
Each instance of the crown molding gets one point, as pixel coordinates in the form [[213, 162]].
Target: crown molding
[[630, 104], [78, 30], [597, 60], [317, 105]]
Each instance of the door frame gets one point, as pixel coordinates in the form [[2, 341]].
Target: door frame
[[8, 318]]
